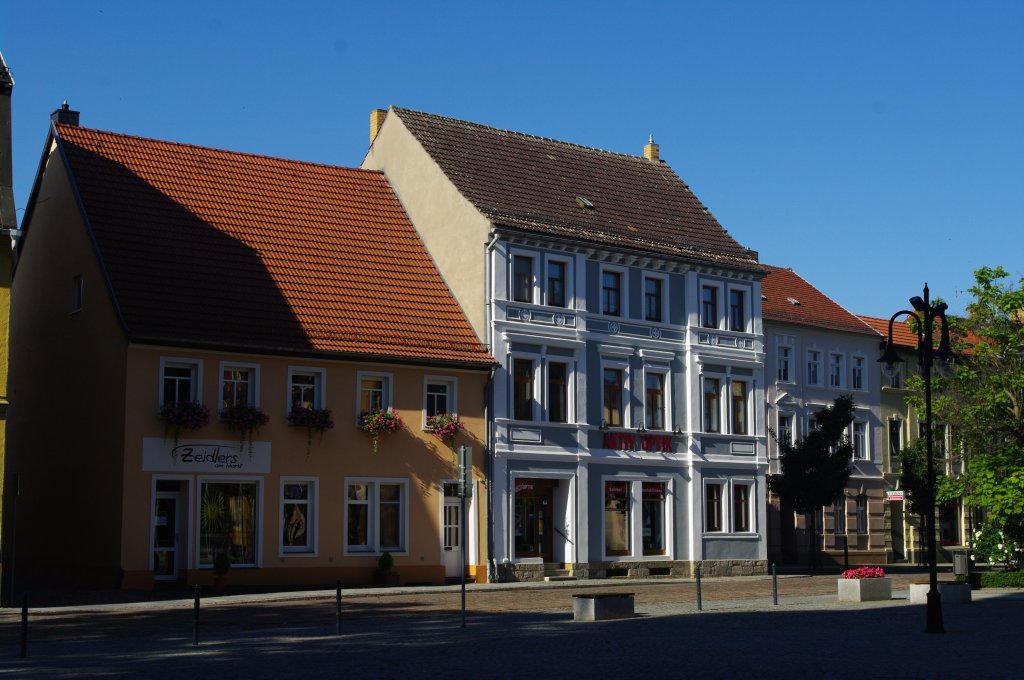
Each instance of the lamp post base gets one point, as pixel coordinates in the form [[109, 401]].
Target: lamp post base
[[933, 622]]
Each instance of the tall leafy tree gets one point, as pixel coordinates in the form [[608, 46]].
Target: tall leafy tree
[[815, 470], [984, 403]]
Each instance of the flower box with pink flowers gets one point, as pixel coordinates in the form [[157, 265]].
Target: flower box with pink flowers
[[864, 584]]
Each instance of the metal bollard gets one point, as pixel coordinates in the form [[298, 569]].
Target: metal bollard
[[195, 622], [699, 603], [24, 627], [775, 585], [337, 610]]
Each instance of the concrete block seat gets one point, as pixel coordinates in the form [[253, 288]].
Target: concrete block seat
[[602, 606]]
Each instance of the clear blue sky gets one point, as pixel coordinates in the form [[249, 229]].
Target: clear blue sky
[[870, 146]]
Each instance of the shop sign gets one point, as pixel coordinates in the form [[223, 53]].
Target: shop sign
[[615, 489], [524, 487], [627, 441], [654, 490], [893, 495], [160, 454]]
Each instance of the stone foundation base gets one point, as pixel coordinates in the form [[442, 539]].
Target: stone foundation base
[[638, 569]]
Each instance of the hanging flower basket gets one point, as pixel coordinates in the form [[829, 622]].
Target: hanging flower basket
[[245, 420], [446, 426], [184, 416], [379, 422], [313, 419]]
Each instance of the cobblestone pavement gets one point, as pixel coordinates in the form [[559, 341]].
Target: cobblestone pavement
[[523, 629]]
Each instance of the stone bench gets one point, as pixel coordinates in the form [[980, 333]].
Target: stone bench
[[951, 593], [602, 606]]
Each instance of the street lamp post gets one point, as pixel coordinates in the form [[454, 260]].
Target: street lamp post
[[926, 315]]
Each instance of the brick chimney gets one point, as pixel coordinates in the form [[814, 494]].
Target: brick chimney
[[377, 117], [65, 115], [651, 150]]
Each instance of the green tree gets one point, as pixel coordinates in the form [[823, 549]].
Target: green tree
[[983, 402], [815, 470]]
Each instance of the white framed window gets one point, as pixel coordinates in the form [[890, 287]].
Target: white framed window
[[839, 516], [739, 308], [614, 291], [239, 384], [655, 298], [714, 511], [786, 431], [813, 367], [710, 305], [557, 400], [711, 411], [375, 391], [180, 380], [729, 506], [306, 387], [299, 505], [439, 396], [742, 516], [615, 394], [376, 515], [859, 440], [836, 369], [558, 288], [784, 359], [739, 406], [858, 373], [524, 277], [862, 514], [524, 388], [896, 380], [636, 518], [229, 520], [656, 391]]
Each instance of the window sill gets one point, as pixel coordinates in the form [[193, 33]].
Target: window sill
[[745, 536]]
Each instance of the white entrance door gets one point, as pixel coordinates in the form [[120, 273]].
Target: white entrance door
[[451, 530], [167, 538]]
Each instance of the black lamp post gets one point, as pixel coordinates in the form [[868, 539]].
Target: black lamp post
[[927, 354]]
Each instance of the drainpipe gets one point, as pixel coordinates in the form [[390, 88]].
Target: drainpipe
[[492, 567]]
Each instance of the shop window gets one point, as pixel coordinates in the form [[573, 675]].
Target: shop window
[[179, 381], [375, 516], [306, 387], [616, 518], [238, 385], [558, 392], [522, 389], [713, 507], [298, 532], [229, 516], [653, 520]]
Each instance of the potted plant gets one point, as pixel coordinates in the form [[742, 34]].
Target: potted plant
[[383, 574], [245, 420], [313, 419], [184, 416], [221, 566], [380, 421], [863, 584], [446, 426]]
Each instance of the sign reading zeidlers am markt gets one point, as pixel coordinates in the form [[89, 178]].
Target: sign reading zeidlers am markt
[[161, 454]]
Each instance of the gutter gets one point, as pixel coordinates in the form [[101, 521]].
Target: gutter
[[492, 568]]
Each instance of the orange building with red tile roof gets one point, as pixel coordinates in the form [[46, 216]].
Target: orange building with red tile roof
[[199, 336]]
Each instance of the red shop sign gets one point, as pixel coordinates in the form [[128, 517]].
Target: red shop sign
[[524, 487], [654, 489], [615, 489]]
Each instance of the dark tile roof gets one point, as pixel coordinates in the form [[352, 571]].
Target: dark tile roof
[[788, 298], [215, 247], [532, 183]]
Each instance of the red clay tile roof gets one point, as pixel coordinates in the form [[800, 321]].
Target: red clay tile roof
[[903, 335], [532, 183], [787, 298], [215, 247]]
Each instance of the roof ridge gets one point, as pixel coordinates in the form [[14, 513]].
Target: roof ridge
[[229, 152], [526, 135]]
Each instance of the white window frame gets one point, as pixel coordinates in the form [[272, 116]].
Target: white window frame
[[792, 426], [623, 366], [570, 381], [861, 451], [818, 364], [785, 342], [319, 386], [747, 296], [859, 373], [387, 389], [720, 304], [535, 399], [636, 511], [259, 514], [666, 392], [623, 273], [723, 505], [312, 514], [535, 275], [373, 516], [196, 390], [748, 382], [452, 385], [751, 505], [836, 370], [724, 425], [568, 281], [665, 307], [254, 383]]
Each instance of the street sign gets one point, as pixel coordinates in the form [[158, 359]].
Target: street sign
[[893, 495], [465, 471]]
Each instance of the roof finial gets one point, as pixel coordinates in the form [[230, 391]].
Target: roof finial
[[651, 149]]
